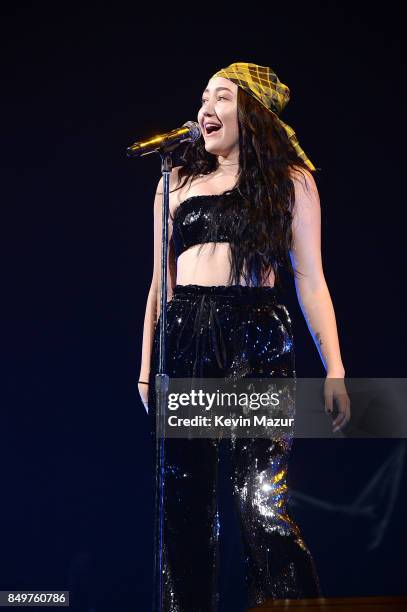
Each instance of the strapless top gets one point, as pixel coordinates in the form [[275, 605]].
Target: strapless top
[[204, 218]]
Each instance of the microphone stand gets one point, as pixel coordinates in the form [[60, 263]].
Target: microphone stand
[[161, 388], [164, 145]]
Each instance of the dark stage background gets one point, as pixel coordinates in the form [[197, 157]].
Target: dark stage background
[[81, 83]]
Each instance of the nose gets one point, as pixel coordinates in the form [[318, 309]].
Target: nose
[[208, 113], [208, 110]]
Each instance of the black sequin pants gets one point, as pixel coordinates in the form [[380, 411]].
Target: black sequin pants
[[224, 331]]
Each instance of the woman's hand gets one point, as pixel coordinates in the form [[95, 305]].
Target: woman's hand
[[334, 389], [143, 390]]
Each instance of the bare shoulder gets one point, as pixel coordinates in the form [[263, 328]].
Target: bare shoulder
[[306, 207], [303, 180], [176, 193], [173, 180]]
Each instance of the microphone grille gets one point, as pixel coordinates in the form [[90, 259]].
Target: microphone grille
[[194, 130]]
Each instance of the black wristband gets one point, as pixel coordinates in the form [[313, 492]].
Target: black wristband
[[143, 383]]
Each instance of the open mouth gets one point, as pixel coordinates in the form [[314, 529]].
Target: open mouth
[[212, 129]]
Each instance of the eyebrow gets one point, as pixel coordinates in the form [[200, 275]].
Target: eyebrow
[[218, 88]]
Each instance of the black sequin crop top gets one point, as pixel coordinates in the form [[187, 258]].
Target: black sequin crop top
[[204, 218]]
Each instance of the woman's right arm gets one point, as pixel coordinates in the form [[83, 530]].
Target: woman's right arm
[[153, 298]]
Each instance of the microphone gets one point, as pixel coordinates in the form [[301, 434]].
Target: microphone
[[189, 132]]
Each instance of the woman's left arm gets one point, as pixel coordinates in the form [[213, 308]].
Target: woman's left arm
[[312, 290]]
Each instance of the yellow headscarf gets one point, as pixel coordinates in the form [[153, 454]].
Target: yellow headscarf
[[264, 85]]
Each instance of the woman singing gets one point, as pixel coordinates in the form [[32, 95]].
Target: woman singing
[[244, 205]]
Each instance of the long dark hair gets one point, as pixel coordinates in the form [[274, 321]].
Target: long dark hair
[[261, 233]]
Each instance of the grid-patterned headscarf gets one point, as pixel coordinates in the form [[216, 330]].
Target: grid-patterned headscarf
[[262, 83]]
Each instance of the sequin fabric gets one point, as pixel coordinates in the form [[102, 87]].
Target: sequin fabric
[[203, 218], [236, 332]]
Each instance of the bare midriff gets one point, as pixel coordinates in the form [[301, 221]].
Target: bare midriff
[[211, 264]]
